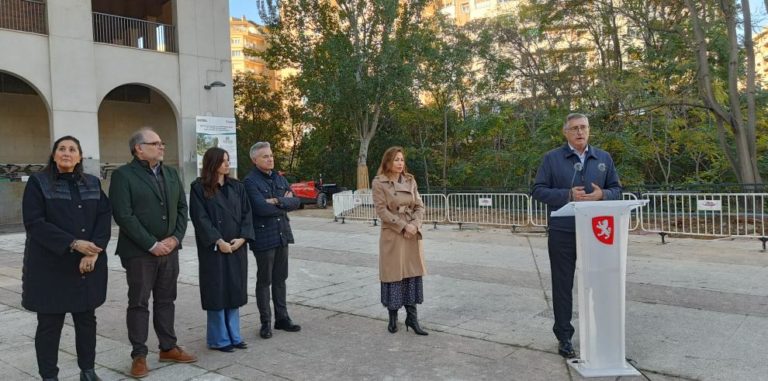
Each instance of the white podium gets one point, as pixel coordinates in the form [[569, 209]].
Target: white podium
[[601, 250]]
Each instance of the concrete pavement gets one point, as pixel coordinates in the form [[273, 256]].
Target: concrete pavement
[[696, 309]]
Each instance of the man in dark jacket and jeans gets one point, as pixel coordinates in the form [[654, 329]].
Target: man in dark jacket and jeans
[[271, 200], [573, 172]]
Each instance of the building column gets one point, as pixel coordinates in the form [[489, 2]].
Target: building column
[[74, 106]]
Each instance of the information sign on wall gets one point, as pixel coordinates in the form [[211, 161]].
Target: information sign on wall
[[219, 132]]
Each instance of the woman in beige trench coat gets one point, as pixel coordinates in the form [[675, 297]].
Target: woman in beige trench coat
[[401, 254]]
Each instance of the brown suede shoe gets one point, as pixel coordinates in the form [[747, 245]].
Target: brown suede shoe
[[139, 367], [177, 355]]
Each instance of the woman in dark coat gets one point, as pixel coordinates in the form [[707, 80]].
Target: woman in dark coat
[[68, 222], [221, 214]]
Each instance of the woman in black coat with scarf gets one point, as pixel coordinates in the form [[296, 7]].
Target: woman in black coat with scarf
[[221, 214], [68, 222]]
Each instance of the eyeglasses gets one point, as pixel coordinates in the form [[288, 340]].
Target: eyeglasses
[[581, 128], [156, 144]]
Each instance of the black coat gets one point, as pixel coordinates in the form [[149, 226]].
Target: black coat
[[227, 215], [55, 213]]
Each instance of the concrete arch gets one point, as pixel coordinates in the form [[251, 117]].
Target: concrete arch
[[25, 122], [128, 107]]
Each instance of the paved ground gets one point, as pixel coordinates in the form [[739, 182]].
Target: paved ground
[[696, 310]]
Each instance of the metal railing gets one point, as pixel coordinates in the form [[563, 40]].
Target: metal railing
[[503, 209], [699, 214], [356, 205], [136, 33], [23, 15], [435, 208], [539, 211], [706, 214], [342, 202]]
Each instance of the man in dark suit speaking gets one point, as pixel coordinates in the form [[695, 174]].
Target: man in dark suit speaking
[[575, 171]]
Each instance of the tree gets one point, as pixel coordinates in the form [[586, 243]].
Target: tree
[[354, 58], [730, 114], [444, 74], [260, 116]]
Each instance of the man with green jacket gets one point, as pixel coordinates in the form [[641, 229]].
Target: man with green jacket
[[150, 207]]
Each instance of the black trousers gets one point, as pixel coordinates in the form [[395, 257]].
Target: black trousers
[[150, 275], [272, 271], [48, 336], [562, 261]]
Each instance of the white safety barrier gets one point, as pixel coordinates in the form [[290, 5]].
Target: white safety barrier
[[539, 212], [706, 214], [634, 216], [702, 214], [342, 202], [435, 208], [506, 209], [356, 205]]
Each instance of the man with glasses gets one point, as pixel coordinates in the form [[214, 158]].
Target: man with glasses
[[574, 172], [150, 207]]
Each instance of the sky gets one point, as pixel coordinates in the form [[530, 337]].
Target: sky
[[238, 8]]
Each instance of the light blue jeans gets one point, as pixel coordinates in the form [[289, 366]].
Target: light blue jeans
[[223, 328]]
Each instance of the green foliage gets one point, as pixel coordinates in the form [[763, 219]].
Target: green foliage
[[260, 116], [486, 100]]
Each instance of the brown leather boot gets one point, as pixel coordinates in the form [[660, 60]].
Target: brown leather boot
[[139, 367], [177, 355]]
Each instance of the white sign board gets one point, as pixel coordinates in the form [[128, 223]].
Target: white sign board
[[219, 132], [485, 201], [709, 205]]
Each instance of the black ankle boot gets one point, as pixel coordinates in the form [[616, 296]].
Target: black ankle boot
[[392, 327], [89, 375], [412, 321]]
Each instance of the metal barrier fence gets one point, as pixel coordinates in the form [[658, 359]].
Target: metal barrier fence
[[342, 202], [539, 212], [701, 214], [505, 209], [635, 217], [706, 214], [136, 33], [23, 15], [356, 205], [435, 208]]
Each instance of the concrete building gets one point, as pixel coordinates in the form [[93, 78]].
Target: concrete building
[[464, 11], [565, 42], [761, 58], [245, 34], [99, 70]]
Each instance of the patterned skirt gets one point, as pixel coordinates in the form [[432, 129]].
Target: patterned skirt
[[408, 291]]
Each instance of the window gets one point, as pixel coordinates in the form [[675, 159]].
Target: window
[[236, 41], [237, 53], [465, 7], [480, 4]]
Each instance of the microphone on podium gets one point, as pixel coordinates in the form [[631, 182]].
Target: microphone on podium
[[577, 167]]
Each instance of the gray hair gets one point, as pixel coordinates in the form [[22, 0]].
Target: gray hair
[[572, 116], [256, 147], [137, 138]]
